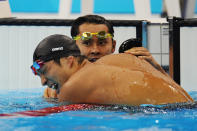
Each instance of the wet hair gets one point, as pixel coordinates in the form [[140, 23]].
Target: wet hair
[[130, 43], [55, 47], [91, 19]]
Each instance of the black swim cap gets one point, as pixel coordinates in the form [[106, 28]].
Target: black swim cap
[[55, 46], [130, 43]]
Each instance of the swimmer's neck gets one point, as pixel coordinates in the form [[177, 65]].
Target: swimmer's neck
[[84, 63], [75, 68]]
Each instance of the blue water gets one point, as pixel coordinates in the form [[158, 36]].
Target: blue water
[[152, 118]]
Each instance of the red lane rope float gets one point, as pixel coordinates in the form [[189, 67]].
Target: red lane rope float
[[49, 110]]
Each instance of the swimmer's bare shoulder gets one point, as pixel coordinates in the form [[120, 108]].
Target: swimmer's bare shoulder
[[101, 84], [133, 63], [113, 58], [104, 84], [129, 61], [82, 85]]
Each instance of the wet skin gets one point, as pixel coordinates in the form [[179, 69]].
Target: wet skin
[[120, 79], [113, 79]]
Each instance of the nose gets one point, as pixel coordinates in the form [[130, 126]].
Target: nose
[[95, 49], [43, 80]]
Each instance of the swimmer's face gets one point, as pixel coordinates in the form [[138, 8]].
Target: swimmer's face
[[95, 48], [52, 73]]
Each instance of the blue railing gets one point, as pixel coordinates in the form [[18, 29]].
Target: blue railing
[[100, 6]]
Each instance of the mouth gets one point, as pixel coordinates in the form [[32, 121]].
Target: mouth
[[93, 59], [55, 86]]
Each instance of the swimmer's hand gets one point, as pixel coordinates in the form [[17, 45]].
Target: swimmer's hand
[[143, 53], [49, 93]]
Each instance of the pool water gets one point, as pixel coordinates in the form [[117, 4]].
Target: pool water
[[117, 118]]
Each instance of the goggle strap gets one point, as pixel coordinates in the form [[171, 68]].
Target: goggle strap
[[76, 37], [34, 70]]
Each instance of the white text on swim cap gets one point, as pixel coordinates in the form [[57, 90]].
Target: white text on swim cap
[[57, 49]]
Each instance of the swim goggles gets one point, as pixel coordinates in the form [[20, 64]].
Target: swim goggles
[[89, 35], [37, 65]]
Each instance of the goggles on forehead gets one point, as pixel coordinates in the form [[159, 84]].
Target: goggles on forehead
[[89, 35], [37, 65]]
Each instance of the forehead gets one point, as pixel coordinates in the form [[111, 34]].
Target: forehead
[[88, 27]]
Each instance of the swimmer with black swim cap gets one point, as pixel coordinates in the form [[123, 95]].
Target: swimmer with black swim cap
[[53, 47], [113, 79]]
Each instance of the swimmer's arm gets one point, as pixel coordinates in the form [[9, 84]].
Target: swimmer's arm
[[80, 90], [143, 53], [75, 91]]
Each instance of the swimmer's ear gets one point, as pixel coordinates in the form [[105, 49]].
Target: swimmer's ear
[[70, 61], [113, 45]]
